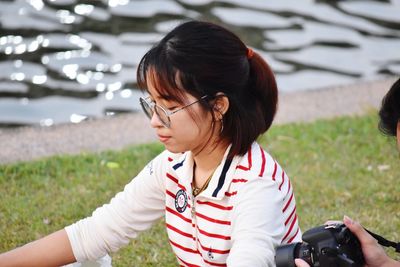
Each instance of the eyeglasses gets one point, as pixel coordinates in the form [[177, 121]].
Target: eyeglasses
[[150, 107]]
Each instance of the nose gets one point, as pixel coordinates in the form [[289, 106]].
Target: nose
[[155, 121]]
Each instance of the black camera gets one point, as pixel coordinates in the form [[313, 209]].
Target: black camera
[[326, 246]]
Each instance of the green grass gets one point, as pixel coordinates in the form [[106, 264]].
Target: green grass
[[341, 166]]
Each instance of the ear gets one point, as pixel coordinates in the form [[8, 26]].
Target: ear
[[221, 105]]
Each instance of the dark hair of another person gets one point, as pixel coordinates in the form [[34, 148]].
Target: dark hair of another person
[[390, 110], [202, 58]]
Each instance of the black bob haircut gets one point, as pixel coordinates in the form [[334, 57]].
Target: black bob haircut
[[202, 58], [389, 112]]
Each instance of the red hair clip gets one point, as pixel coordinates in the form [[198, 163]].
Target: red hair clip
[[250, 53]]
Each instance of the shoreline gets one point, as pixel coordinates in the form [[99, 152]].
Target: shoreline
[[114, 133]]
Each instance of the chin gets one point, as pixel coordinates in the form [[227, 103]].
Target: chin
[[173, 149]]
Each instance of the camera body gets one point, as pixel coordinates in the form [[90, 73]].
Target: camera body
[[324, 246]]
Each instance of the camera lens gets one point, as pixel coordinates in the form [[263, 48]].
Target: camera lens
[[286, 254]]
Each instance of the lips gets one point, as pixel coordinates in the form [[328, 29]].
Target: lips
[[163, 138]]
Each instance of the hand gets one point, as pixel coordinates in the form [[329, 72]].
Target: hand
[[374, 254], [301, 263]]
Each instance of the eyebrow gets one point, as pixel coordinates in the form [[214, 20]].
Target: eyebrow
[[165, 97], [169, 98], [152, 99]]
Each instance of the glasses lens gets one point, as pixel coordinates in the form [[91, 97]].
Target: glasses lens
[[162, 115], [146, 108]]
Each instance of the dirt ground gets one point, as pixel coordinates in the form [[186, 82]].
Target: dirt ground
[[30, 143]]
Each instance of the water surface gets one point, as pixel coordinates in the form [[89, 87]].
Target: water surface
[[66, 61]]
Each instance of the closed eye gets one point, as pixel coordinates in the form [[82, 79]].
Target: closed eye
[[169, 105]]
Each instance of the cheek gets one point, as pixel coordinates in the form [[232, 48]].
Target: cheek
[[183, 126], [203, 123], [198, 116], [193, 128]]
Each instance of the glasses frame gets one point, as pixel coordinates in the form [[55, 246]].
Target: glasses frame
[[152, 105]]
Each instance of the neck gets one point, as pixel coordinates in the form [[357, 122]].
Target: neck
[[209, 158], [206, 161]]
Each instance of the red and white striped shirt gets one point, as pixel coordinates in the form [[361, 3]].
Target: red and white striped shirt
[[247, 210]]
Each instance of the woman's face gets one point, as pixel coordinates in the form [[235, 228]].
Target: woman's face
[[186, 132]]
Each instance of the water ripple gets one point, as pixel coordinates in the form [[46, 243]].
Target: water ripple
[[66, 61]]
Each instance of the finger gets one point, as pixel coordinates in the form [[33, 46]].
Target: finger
[[358, 230], [301, 263]]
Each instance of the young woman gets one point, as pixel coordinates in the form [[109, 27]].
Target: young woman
[[225, 200]]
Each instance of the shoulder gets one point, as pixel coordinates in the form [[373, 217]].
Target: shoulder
[[166, 156], [258, 168], [165, 160], [258, 163]]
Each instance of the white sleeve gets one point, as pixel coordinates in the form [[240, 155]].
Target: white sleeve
[[131, 211], [257, 224]]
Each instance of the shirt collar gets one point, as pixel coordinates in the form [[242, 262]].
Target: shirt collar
[[221, 178]]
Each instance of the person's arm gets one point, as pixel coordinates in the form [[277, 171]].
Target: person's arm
[[374, 254], [134, 210], [258, 224], [129, 212], [52, 250]]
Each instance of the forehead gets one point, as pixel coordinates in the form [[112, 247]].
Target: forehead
[[159, 85]]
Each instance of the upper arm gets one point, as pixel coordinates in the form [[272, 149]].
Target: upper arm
[[257, 224]]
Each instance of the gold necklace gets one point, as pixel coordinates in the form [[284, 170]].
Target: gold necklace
[[196, 191]]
